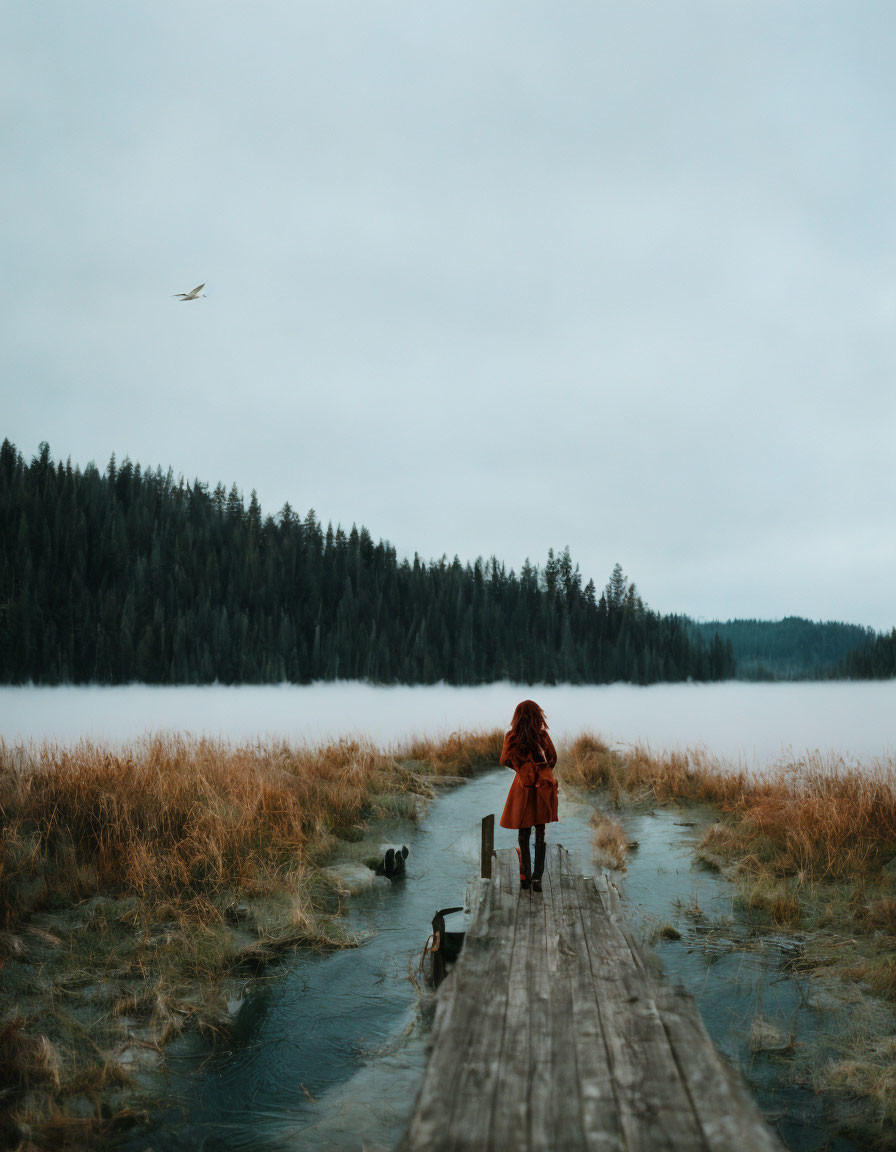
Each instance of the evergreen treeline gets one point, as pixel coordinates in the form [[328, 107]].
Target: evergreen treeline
[[127, 575], [790, 649], [875, 660]]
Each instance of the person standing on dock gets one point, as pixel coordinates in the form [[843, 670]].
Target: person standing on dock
[[532, 799]]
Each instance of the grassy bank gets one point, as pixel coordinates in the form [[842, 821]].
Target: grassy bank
[[811, 848], [140, 886], [135, 882]]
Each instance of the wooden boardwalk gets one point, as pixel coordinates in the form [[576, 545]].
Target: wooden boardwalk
[[556, 1031]]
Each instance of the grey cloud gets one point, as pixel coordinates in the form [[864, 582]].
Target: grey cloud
[[485, 279]]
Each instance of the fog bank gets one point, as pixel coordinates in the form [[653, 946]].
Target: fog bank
[[756, 723]]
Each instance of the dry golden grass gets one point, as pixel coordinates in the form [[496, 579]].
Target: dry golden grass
[[878, 973], [610, 841], [460, 754], [26, 1060], [812, 818], [881, 914], [173, 818], [183, 820], [763, 893], [870, 1072], [638, 775]]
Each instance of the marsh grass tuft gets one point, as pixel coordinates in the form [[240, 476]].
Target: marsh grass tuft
[[610, 841], [459, 754], [869, 1073], [27, 1060]]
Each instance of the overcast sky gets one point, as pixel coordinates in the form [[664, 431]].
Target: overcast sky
[[484, 277]]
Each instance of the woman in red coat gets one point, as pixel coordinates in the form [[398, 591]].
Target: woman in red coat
[[532, 799]]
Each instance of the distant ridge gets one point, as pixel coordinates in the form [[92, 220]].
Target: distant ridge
[[790, 649]]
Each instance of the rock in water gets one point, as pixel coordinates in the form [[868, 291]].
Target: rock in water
[[765, 1037]]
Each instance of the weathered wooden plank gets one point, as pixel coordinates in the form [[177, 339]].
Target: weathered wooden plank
[[475, 1034], [525, 1079], [726, 1112], [472, 1044], [509, 1122], [644, 961], [468, 984], [508, 871], [721, 1102], [556, 1030], [654, 1108], [541, 1006], [555, 1106], [600, 1116], [487, 848]]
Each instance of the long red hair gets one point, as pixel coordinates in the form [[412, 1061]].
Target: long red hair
[[528, 729]]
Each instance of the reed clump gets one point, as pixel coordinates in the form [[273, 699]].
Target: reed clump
[[458, 754], [870, 1072], [811, 821], [172, 819], [636, 775], [610, 841]]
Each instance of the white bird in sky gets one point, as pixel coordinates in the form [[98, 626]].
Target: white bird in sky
[[194, 295]]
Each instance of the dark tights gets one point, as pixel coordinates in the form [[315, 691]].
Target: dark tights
[[525, 859]]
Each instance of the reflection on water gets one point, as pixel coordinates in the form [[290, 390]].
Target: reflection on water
[[333, 1050]]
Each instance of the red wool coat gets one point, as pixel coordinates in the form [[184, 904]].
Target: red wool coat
[[532, 798]]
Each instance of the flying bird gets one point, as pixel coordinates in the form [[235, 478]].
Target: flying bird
[[194, 295]]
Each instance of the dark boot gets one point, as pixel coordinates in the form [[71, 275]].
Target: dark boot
[[538, 870], [525, 859]]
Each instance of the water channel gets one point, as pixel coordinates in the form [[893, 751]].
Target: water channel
[[329, 1052]]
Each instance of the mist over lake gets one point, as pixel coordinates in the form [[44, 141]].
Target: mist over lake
[[753, 723]]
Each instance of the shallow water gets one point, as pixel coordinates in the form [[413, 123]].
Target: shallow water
[[735, 973], [752, 723], [333, 1049]]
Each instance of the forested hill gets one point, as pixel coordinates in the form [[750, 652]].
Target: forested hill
[[790, 649], [875, 660], [127, 575]]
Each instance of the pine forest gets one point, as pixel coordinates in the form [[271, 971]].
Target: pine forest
[[130, 575]]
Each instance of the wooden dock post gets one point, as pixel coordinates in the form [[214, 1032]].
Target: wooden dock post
[[556, 1032], [488, 846]]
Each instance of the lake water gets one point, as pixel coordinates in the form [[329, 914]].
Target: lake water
[[751, 723]]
